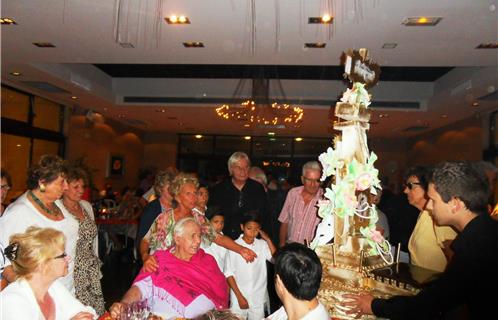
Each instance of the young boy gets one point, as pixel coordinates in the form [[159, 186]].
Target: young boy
[[217, 219], [247, 281]]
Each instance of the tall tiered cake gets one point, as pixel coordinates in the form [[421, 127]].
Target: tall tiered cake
[[349, 216]]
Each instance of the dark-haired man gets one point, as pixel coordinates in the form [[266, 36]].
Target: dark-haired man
[[298, 275], [457, 197]]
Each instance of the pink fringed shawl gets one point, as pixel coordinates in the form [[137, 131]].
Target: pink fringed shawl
[[186, 280]]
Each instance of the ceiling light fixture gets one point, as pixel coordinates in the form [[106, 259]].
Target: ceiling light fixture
[[298, 139], [259, 109], [7, 21], [193, 44], [325, 19], [247, 138], [475, 104], [421, 21], [389, 45], [44, 44], [271, 133], [315, 45], [15, 73], [444, 116], [74, 97], [173, 19], [198, 136]]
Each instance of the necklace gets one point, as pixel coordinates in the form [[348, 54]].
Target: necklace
[[55, 213], [76, 210]]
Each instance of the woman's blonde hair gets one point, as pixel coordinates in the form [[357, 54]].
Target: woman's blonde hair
[[33, 248], [180, 180]]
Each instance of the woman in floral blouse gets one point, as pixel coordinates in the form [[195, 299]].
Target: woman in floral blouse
[[160, 235]]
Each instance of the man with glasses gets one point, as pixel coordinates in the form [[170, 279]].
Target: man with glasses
[[238, 195], [299, 216], [429, 243]]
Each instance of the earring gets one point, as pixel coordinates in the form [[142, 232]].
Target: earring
[[42, 188]]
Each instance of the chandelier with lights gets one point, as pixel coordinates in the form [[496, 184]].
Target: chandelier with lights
[[259, 109]]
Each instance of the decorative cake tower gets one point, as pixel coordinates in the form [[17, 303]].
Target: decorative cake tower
[[348, 215]]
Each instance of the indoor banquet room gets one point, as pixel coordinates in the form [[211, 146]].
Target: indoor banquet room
[[248, 159]]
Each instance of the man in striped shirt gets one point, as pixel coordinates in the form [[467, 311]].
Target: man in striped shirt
[[299, 215]]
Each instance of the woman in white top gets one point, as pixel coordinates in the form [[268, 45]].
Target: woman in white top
[[38, 259], [36, 207]]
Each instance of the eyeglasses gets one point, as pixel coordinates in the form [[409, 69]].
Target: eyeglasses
[[5, 187], [308, 180], [410, 185], [241, 200], [61, 256]]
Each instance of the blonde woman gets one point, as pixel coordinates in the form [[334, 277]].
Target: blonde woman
[[38, 258]]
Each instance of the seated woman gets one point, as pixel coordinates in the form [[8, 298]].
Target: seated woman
[[187, 283], [38, 259]]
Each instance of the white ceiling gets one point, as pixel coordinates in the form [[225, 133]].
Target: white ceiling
[[83, 32]]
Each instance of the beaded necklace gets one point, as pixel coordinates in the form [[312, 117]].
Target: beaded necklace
[[56, 212]]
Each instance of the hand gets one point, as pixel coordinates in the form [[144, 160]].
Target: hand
[[150, 264], [247, 254], [243, 304], [115, 310], [264, 235], [358, 304], [83, 316]]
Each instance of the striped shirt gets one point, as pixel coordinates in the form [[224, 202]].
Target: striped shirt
[[301, 218]]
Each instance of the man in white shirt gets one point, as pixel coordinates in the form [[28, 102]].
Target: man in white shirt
[[298, 275]]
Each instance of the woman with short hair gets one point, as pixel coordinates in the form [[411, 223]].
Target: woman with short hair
[[38, 258], [37, 207], [87, 264]]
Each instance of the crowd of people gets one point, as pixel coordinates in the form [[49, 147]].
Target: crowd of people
[[235, 250]]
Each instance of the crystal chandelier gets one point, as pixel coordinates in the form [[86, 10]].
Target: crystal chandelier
[[259, 109]]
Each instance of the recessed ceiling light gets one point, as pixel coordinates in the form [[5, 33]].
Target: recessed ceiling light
[[298, 139], [315, 45], [198, 136], [444, 116], [247, 125], [475, 104], [74, 97], [126, 45], [18, 145], [247, 137], [271, 133], [421, 21], [177, 19], [389, 45], [490, 45], [193, 44], [273, 139], [15, 73], [44, 44], [161, 110], [7, 21], [325, 19]]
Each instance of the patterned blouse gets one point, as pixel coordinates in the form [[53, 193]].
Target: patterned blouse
[[160, 234]]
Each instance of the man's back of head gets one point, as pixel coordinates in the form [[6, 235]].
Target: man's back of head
[[300, 270]]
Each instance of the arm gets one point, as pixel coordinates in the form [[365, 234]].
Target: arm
[[150, 263], [132, 295], [243, 304], [229, 244], [283, 234], [265, 237]]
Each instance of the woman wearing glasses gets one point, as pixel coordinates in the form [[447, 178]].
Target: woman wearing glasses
[[37, 207], [6, 184], [38, 259], [429, 242]]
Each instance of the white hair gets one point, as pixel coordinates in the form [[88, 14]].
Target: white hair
[[256, 173], [237, 156], [312, 165], [179, 228]]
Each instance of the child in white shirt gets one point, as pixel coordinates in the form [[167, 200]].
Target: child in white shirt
[[247, 281], [219, 253]]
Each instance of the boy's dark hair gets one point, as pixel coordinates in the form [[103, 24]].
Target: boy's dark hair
[[463, 181], [300, 270], [422, 173], [251, 216], [214, 211]]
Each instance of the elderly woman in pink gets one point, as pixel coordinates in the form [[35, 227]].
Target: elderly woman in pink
[[187, 283]]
